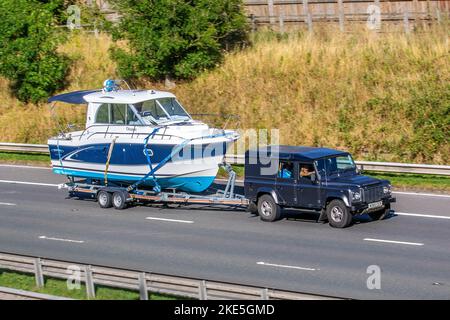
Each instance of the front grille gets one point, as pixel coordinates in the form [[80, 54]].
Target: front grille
[[372, 194]]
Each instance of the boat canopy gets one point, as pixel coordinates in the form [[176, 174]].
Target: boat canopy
[[76, 97]]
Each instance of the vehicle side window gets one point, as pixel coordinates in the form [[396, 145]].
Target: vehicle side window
[[102, 114], [286, 170], [305, 172]]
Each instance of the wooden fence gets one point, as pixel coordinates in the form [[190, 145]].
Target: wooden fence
[[282, 14]]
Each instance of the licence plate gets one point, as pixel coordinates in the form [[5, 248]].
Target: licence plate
[[375, 204]]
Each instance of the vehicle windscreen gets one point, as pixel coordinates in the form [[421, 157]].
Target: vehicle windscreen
[[336, 165]]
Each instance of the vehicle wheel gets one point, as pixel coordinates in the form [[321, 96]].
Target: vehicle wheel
[[119, 200], [104, 199], [267, 208], [338, 214], [380, 214]]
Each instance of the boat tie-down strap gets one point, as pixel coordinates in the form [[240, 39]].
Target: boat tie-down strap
[[108, 160]]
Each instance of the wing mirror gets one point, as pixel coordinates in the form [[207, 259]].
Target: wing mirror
[[313, 177]]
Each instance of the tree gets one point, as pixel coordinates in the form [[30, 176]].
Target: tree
[[28, 43], [176, 38]]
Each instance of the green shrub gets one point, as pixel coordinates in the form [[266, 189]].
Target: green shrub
[[176, 38], [28, 43]]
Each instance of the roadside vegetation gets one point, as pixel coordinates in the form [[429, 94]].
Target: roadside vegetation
[[58, 287]]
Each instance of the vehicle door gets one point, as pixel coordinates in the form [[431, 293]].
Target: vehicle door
[[286, 182], [308, 187]]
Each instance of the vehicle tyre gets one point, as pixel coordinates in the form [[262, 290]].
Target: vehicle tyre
[[119, 200], [338, 214], [380, 214], [267, 208], [104, 199]]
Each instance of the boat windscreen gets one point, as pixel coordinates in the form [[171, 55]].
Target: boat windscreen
[[161, 110], [173, 108]]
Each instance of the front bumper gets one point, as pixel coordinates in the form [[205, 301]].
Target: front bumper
[[362, 208]]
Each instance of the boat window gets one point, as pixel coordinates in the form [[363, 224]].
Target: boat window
[[116, 114], [102, 114], [173, 108]]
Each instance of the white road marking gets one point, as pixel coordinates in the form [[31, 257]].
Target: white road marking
[[421, 215], [423, 194], [24, 167], [285, 266], [30, 183], [60, 239], [7, 204], [169, 220], [393, 241]]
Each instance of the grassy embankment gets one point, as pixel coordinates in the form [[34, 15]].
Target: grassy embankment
[[383, 97], [58, 287]]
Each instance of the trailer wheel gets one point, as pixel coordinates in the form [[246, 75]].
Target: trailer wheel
[[104, 199], [338, 214], [119, 200], [267, 208]]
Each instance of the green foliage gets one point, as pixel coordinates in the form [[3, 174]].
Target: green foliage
[[176, 38], [28, 43]]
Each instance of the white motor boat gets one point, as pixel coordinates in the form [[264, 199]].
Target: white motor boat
[[139, 137]]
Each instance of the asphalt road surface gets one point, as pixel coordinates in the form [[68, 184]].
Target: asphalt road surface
[[411, 248]]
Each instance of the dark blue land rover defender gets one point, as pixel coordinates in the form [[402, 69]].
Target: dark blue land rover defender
[[323, 180]]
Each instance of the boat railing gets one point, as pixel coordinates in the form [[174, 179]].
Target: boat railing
[[132, 132]]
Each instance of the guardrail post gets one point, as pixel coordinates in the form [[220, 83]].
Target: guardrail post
[[38, 273], [265, 294], [143, 291], [202, 293], [90, 288]]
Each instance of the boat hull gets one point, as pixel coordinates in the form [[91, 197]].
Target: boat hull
[[192, 170]]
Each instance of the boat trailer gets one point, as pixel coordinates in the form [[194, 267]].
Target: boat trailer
[[120, 196]]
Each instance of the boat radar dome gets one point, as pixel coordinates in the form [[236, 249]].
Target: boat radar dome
[[110, 85]]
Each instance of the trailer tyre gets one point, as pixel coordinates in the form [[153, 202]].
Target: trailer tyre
[[338, 214], [104, 199], [119, 200], [267, 208]]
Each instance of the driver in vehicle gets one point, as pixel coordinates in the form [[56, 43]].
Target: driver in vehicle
[[306, 171]]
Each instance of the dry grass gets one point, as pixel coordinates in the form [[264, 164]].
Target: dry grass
[[364, 92]]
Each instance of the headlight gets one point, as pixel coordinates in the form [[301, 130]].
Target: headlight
[[387, 189], [356, 195]]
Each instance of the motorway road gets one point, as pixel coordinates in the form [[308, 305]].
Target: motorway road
[[412, 251]]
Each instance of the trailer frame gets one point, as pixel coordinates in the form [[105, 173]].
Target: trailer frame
[[120, 196]]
